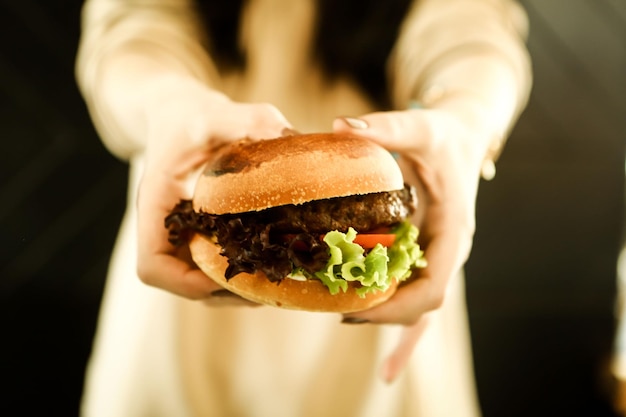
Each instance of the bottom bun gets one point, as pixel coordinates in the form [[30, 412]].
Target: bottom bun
[[310, 295]]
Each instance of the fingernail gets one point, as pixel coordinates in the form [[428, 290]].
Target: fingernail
[[223, 293], [289, 132], [355, 123], [354, 320]]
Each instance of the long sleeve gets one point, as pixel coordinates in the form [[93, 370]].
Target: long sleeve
[[158, 35], [474, 47]]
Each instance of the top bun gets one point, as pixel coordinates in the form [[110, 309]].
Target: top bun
[[252, 175]]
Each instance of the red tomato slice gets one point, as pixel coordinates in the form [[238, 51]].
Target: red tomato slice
[[365, 240], [369, 240]]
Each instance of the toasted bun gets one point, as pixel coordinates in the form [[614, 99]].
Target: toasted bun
[[310, 295], [255, 175]]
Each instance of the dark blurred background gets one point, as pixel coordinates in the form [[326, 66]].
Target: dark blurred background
[[541, 280]]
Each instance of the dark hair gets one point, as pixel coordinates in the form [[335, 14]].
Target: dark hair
[[221, 18], [352, 37]]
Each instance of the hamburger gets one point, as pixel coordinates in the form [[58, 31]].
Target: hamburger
[[315, 222]]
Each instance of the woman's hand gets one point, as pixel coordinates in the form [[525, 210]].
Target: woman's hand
[[184, 127], [444, 153]]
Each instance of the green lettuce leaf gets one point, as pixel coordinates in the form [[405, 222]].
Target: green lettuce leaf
[[405, 254], [375, 270]]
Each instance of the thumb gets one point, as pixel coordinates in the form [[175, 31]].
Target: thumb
[[413, 130]]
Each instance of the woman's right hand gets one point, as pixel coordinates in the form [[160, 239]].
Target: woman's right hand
[[184, 127]]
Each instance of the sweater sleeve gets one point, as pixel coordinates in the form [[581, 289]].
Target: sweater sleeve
[[439, 34], [164, 30]]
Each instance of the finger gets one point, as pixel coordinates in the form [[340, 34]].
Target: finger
[[159, 263], [399, 358], [250, 120], [406, 306], [412, 130], [224, 297], [177, 273], [176, 276]]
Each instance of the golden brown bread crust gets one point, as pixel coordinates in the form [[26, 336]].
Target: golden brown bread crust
[[255, 175], [310, 295]]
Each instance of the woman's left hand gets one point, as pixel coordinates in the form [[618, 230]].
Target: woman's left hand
[[444, 152]]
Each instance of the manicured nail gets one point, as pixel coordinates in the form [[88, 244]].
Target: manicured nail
[[355, 123], [289, 132], [354, 320], [223, 293]]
